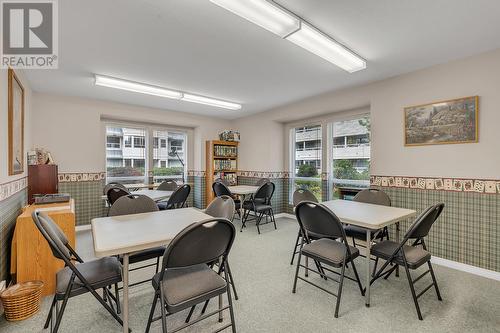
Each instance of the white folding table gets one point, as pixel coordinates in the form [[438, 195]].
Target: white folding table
[[242, 191], [126, 234], [156, 195], [370, 217]]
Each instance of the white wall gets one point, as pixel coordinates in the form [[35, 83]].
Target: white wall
[[72, 130], [479, 75], [4, 148]]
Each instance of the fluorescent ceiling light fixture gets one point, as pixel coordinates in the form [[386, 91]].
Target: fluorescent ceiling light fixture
[[263, 13], [111, 82], [142, 88], [210, 101], [327, 48]]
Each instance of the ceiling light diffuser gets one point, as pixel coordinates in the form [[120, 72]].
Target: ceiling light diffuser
[[111, 82], [327, 48], [210, 101], [142, 88], [264, 14]]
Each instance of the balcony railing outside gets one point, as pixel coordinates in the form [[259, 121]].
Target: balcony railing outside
[[352, 151]]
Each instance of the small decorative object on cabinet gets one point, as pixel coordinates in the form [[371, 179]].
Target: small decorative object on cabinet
[[222, 162], [42, 179]]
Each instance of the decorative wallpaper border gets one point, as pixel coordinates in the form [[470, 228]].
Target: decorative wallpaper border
[[9, 189], [264, 174], [196, 173], [487, 186], [81, 177]]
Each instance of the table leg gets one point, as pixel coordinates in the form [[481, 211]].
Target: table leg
[[242, 200], [397, 241], [368, 270], [125, 293]]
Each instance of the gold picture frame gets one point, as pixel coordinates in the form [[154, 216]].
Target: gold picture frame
[[15, 124], [445, 122]]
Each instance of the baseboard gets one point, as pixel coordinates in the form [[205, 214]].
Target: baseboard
[[466, 268], [84, 227], [287, 215]]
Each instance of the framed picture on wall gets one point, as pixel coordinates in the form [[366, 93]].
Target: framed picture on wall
[[15, 124], [452, 121]]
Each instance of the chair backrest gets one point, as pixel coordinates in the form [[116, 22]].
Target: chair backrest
[[220, 189], [265, 191], [262, 181], [168, 185], [56, 238], [223, 181], [114, 193], [222, 206], [113, 184], [373, 196], [133, 204], [318, 219], [179, 197], [301, 194], [200, 243], [423, 223]]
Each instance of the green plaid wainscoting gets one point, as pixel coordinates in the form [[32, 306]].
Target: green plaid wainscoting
[[468, 230], [88, 198], [10, 208], [197, 197]]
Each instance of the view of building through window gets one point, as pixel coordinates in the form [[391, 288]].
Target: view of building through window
[[307, 159], [128, 159], [351, 152]]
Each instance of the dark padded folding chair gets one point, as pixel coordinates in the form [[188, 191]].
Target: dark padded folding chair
[[223, 181], [177, 199], [260, 205], [221, 189], [319, 220], [114, 193], [168, 185], [136, 204], [223, 207], [371, 196], [78, 277], [298, 196], [410, 256], [113, 184], [186, 279], [262, 181]]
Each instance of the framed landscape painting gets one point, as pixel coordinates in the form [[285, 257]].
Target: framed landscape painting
[[453, 121], [16, 124]]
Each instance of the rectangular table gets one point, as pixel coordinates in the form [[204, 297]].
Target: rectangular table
[[126, 234], [135, 187], [156, 195], [370, 217], [242, 191]]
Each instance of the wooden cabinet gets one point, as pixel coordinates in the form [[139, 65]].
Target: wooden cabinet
[[31, 257], [42, 179], [221, 162]]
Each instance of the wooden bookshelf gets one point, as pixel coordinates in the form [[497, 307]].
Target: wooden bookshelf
[[221, 162]]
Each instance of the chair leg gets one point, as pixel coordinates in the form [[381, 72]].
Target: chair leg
[[232, 281], [49, 316], [412, 289], [357, 278], [339, 292], [157, 264], [273, 219], [61, 311], [297, 269], [306, 274], [434, 281], [162, 307], [375, 267], [258, 222], [295, 248], [117, 295], [188, 318], [151, 313], [230, 300]]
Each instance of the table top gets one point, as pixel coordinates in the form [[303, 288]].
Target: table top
[[243, 189], [130, 233], [156, 195], [366, 215]]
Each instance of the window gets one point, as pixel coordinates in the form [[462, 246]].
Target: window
[[306, 159], [170, 165], [350, 164], [163, 143], [155, 142], [113, 142], [139, 142], [127, 141]]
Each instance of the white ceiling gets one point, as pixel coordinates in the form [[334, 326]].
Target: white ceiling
[[196, 46]]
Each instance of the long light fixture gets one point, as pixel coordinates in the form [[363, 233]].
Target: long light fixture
[[111, 82], [264, 14], [285, 24]]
